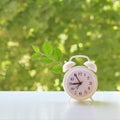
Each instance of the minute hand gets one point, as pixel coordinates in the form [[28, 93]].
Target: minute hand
[[77, 78]]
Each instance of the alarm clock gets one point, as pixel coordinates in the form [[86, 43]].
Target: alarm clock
[[80, 82]]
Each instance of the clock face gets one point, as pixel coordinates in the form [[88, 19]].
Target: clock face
[[80, 83]]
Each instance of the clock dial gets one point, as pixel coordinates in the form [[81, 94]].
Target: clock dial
[[80, 82]]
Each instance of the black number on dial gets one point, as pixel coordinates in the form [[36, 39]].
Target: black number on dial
[[85, 91], [90, 83], [80, 93], [80, 73], [72, 88], [84, 74], [88, 87], [75, 92], [72, 79], [88, 77]]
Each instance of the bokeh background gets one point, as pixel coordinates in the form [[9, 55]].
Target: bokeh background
[[90, 27]]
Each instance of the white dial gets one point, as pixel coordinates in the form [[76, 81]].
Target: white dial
[[80, 82]]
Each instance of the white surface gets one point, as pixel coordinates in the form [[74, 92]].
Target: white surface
[[58, 106]]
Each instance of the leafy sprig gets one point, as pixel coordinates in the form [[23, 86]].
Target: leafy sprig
[[49, 55]]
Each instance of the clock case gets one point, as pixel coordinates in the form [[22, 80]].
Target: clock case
[[88, 65]]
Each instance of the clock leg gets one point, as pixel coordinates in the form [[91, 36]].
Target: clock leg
[[91, 99], [69, 100]]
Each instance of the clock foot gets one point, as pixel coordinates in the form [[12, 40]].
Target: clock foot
[[91, 99], [69, 100]]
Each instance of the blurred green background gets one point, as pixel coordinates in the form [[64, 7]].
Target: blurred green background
[[90, 27]]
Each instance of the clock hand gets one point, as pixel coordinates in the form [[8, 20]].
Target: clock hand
[[76, 83], [79, 85], [77, 77]]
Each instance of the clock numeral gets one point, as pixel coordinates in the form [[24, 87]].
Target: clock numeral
[[72, 79], [75, 92], [80, 93], [88, 87], [88, 77], [85, 91], [80, 73], [72, 88], [70, 83], [84, 74], [90, 83]]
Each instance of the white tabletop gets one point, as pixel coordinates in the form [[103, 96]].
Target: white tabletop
[[58, 106]]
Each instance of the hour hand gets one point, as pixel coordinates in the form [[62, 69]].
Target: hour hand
[[74, 83], [78, 83]]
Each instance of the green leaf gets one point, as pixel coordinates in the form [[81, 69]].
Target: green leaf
[[45, 60], [47, 48], [36, 49], [57, 69], [35, 55], [57, 54]]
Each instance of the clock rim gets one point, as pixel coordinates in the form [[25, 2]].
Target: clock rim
[[84, 97]]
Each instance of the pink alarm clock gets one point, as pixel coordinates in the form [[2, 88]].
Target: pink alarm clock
[[80, 82]]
